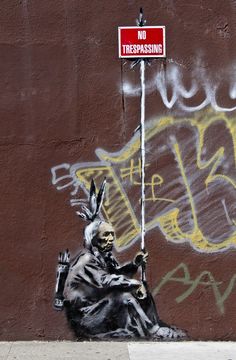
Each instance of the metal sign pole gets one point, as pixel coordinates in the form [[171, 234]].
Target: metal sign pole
[[141, 22], [140, 43], [142, 147]]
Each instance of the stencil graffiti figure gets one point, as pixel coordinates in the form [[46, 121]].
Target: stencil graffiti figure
[[101, 298]]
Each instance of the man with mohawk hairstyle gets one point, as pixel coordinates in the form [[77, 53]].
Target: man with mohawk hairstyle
[[100, 296]]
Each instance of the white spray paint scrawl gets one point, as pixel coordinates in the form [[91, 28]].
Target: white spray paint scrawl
[[201, 82]]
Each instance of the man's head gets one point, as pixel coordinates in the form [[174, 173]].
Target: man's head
[[104, 238]]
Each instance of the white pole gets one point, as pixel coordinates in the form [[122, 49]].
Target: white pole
[[142, 143]]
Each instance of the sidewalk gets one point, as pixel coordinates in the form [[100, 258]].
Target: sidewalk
[[35, 350]]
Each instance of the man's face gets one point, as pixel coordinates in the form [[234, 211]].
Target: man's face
[[105, 237]]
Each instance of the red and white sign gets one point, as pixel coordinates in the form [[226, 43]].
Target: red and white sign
[[142, 42]]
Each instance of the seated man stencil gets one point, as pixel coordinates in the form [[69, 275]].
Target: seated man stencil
[[100, 296]]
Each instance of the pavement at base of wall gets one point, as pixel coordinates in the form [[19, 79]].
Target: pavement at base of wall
[[66, 350]]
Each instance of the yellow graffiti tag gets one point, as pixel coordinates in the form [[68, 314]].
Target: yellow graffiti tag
[[156, 180], [118, 209]]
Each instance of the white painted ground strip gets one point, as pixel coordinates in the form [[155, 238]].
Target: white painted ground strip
[[182, 351], [36, 350]]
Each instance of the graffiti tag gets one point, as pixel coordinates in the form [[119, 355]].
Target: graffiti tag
[[190, 182], [205, 279]]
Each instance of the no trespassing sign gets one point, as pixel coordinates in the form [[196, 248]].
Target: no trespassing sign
[[142, 42]]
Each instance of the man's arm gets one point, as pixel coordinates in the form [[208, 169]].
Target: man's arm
[[131, 268], [89, 271], [101, 279]]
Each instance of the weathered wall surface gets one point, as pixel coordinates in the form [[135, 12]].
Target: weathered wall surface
[[69, 107]]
